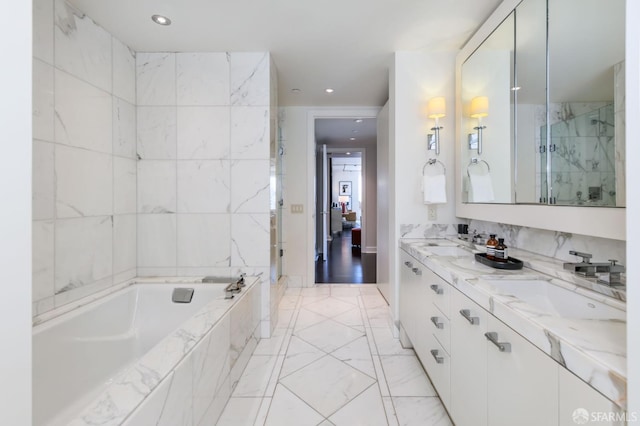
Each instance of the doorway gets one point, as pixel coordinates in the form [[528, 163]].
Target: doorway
[[346, 200]]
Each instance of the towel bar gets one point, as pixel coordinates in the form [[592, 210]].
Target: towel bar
[[433, 161], [477, 161]]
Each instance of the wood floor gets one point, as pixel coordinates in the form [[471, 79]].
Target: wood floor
[[346, 264]]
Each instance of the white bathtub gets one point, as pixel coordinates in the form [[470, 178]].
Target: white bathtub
[[87, 361]]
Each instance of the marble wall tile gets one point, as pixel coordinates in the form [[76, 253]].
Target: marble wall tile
[[150, 409], [43, 189], [124, 243], [249, 78], [124, 185], [178, 407], [250, 240], [124, 71], [43, 30], [82, 47], [249, 133], [155, 78], [83, 114], [210, 367], [203, 133], [156, 186], [43, 259], [84, 182], [203, 240], [124, 128], [250, 186], [43, 122], [156, 133], [202, 78], [204, 186], [83, 251], [156, 240]]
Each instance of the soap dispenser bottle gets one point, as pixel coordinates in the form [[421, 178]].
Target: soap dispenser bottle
[[501, 254], [491, 246]]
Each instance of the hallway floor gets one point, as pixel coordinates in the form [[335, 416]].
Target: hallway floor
[[332, 360], [346, 263]]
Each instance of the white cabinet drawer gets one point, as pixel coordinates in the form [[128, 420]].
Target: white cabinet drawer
[[437, 363], [439, 290], [440, 325]]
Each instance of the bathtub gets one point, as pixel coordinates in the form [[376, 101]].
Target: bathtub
[[106, 363]]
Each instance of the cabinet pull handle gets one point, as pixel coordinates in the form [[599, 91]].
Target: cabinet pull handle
[[437, 289], [417, 271], [467, 315], [408, 264], [492, 336], [434, 354], [435, 322]]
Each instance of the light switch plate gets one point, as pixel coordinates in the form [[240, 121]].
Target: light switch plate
[[432, 212], [297, 208]]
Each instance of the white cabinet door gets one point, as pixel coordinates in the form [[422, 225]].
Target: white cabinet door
[[579, 401], [523, 381], [468, 361]]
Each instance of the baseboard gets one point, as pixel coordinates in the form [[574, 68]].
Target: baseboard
[[372, 250]]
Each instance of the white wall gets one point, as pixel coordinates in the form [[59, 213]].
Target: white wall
[[15, 226], [384, 231]]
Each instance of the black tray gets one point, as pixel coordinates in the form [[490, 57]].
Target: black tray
[[512, 263]]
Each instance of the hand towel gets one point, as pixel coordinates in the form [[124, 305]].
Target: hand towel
[[434, 189], [481, 188]]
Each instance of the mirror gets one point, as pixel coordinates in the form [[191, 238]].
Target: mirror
[[564, 147], [487, 126]]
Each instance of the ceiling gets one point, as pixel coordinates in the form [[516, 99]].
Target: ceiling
[[344, 45]]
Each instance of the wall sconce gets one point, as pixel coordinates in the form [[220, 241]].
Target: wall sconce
[[479, 109], [436, 108]]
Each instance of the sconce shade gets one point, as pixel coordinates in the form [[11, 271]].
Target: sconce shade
[[436, 107], [479, 107]]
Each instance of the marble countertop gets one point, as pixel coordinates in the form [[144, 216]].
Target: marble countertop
[[594, 349]]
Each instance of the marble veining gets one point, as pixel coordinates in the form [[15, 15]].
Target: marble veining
[[593, 348]]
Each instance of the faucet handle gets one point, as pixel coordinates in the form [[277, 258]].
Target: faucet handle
[[613, 262], [585, 256]]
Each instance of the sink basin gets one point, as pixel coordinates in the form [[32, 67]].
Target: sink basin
[[470, 263], [552, 299], [451, 251]]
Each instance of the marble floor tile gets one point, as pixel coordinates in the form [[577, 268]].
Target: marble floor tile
[[299, 354], [292, 291], [357, 349], [240, 412], [287, 409], [405, 376], [334, 384], [379, 317], [288, 302], [284, 318], [262, 412], [419, 411], [329, 307], [382, 380], [369, 289], [273, 381], [367, 409], [352, 300], [324, 290], [272, 345], [350, 318], [306, 319], [387, 344], [374, 301], [308, 300], [328, 335], [255, 377], [344, 291], [392, 420]]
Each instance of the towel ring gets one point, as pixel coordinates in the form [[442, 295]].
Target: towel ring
[[433, 161], [477, 161]]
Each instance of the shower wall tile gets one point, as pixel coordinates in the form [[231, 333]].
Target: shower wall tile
[[157, 241], [204, 186], [156, 133], [250, 133], [43, 122], [124, 186], [156, 186], [43, 30], [43, 189], [203, 240], [155, 79], [250, 78], [124, 128], [83, 114], [203, 133], [124, 72], [202, 78], [83, 252], [250, 240], [43, 259], [250, 186], [82, 48], [84, 182], [620, 133], [124, 243]]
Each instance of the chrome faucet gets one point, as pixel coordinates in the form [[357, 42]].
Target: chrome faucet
[[589, 269]]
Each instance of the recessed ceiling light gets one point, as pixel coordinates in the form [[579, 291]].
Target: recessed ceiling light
[[354, 131], [348, 153], [161, 20], [352, 139], [328, 90], [296, 90], [358, 120]]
